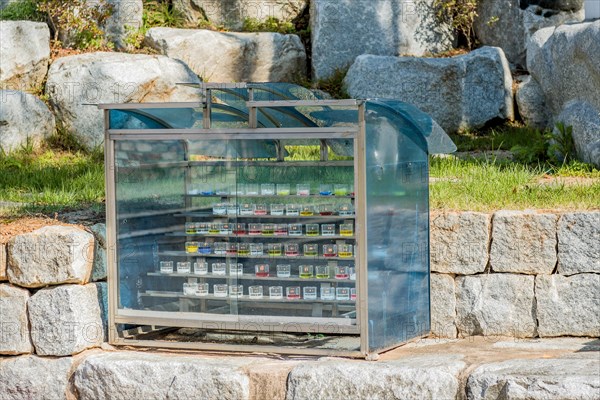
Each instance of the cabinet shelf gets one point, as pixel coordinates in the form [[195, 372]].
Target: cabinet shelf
[[245, 298], [281, 217], [302, 238], [251, 277], [263, 257], [268, 196]]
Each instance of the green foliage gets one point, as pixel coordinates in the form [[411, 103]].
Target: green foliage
[[160, 13], [271, 24], [503, 137], [64, 141], [561, 148], [78, 21], [156, 13], [22, 10], [460, 14], [334, 84]]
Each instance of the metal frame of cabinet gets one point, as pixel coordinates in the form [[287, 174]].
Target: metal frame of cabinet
[[124, 317]]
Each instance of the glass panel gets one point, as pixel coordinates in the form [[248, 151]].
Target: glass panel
[[156, 118], [148, 195], [397, 226], [235, 235]]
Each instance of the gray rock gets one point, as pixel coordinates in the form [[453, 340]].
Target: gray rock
[[531, 104], [585, 121], [558, 5], [254, 57], [443, 306], [459, 242], [510, 24], [65, 320], [131, 375], [536, 379], [565, 62], [579, 243], [232, 13], [24, 54], [381, 27], [459, 92], [568, 306], [413, 377], [14, 325], [31, 377], [102, 290], [51, 255], [3, 276], [24, 119], [523, 242], [99, 266], [75, 81], [126, 17], [495, 304]]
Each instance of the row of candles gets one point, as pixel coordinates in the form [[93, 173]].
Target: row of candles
[[275, 292], [271, 189], [341, 272], [292, 210], [273, 249], [257, 229]]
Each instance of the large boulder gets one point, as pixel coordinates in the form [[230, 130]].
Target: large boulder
[[523, 242], [126, 17], [66, 320], [51, 255], [459, 92], [509, 24], [233, 13], [568, 306], [75, 82], [565, 63], [24, 54], [415, 377], [459, 242], [254, 57], [131, 375], [584, 119], [443, 306], [24, 119], [579, 243], [14, 325], [536, 379], [495, 304], [31, 377], [531, 104], [343, 30]]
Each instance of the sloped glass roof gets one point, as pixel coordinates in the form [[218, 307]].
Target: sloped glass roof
[[229, 110]]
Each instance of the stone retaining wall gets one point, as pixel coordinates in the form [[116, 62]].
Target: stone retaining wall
[[513, 273], [519, 274]]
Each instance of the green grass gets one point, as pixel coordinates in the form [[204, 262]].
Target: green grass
[[488, 185], [49, 181]]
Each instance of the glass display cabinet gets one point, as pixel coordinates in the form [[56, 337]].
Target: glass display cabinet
[[265, 218]]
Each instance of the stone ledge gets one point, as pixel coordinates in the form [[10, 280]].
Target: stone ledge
[[417, 377], [536, 379], [134, 375], [473, 368]]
